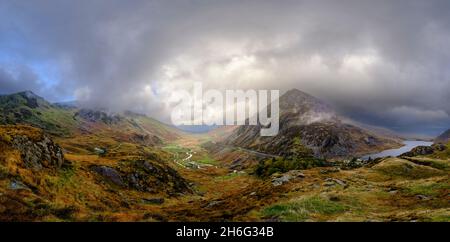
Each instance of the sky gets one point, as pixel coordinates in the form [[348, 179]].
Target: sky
[[383, 63]]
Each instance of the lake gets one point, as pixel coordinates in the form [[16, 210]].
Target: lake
[[408, 145]]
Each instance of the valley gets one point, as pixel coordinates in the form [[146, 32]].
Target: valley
[[128, 167]]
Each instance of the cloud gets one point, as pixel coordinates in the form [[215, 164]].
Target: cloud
[[366, 58], [415, 115], [17, 78]]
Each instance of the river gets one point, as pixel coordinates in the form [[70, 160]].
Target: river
[[408, 145]]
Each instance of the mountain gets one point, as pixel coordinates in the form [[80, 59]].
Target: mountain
[[443, 138], [28, 108], [318, 127], [67, 119]]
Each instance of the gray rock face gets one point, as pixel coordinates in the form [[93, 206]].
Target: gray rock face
[[97, 116], [110, 174], [146, 139], [39, 154]]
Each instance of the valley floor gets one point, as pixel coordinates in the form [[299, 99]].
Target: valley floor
[[395, 189]]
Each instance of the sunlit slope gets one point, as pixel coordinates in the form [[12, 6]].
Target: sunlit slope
[[65, 120]]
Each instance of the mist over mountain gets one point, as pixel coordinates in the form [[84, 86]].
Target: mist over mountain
[[316, 125], [383, 63]]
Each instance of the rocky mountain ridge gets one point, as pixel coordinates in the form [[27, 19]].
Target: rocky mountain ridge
[[316, 125]]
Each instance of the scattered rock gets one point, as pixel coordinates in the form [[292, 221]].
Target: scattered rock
[[332, 181], [99, 151], [279, 180], [352, 164], [423, 197], [213, 203], [330, 170], [296, 174]]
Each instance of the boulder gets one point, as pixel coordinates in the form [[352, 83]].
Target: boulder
[[110, 174]]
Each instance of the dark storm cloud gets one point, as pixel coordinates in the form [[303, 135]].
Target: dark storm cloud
[[383, 62]]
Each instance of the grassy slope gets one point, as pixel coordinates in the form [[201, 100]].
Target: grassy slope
[[369, 195], [74, 193], [17, 108], [395, 189]]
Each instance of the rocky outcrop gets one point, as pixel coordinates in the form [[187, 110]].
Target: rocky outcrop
[[37, 150], [153, 177], [145, 176], [97, 116], [146, 139], [424, 150], [280, 179]]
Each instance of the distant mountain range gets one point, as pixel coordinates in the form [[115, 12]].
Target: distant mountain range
[[65, 119], [318, 127], [302, 116]]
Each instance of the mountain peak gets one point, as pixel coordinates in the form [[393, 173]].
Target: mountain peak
[[298, 101], [27, 98], [296, 92], [29, 94]]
